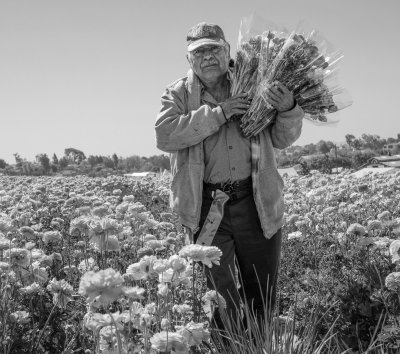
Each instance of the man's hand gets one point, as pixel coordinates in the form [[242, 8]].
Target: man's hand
[[235, 105], [280, 97]]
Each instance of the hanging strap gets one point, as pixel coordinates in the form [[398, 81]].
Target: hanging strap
[[213, 220]]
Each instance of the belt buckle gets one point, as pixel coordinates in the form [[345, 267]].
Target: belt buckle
[[229, 189]]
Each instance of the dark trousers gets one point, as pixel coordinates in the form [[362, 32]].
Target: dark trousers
[[241, 240]]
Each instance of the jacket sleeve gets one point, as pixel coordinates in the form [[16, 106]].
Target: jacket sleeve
[[287, 127], [176, 128]]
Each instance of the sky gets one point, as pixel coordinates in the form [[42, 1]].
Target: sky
[[89, 74]]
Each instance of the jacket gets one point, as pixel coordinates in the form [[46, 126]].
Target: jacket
[[181, 126]]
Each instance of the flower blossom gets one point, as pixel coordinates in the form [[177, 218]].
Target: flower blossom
[[18, 256], [96, 321], [374, 225], [21, 317], [61, 291], [356, 229], [52, 237], [177, 263], [205, 254], [169, 341], [392, 281], [194, 333], [394, 251], [102, 287], [34, 288], [385, 215], [294, 235], [134, 292]]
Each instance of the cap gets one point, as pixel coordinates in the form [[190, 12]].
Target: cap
[[205, 34]]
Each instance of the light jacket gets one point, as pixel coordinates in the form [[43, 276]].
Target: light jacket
[[182, 125]]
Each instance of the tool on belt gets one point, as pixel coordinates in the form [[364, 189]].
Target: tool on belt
[[220, 193]]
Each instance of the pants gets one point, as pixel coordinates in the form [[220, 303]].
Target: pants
[[241, 240]]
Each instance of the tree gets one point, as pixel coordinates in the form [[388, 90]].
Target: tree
[[353, 142], [55, 159], [18, 159], [92, 160], [63, 162], [115, 160], [108, 162], [44, 161], [309, 149], [323, 147], [133, 163], [373, 142], [74, 155]]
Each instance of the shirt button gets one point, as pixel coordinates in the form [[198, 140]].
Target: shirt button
[[230, 147]]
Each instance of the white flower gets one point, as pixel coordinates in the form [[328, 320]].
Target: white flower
[[18, 256], [165, 322], [356, 229], [205, 254], [182, 309], [101, 287], [169, 341], [385, 215], [134, 292], [5, 243], [364, 241], [194, 333], [87, 265], [52, 237], [62, 292], [374, 225], [96, 321], [394, 251], [163, 290], [178, 264], [155, 245], [20, 317], [211, 300], [31, 289], [392, 281], [294, 235]]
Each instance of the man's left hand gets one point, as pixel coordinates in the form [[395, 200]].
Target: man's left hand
[[280, 97]]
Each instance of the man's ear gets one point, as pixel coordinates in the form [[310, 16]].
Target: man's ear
[[189, 61]]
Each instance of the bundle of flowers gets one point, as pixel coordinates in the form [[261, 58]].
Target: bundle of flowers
[[301, 62]]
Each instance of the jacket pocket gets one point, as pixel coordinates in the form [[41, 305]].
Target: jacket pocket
[[270, 190], [186, 191]]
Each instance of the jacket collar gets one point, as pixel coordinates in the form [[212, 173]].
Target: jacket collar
[[195, 83]]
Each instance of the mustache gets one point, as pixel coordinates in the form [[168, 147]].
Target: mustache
[[209, 64]]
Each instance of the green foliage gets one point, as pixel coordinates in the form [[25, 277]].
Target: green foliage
[[3, 164]]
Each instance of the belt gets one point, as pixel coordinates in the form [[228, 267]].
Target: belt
[[235, 190]]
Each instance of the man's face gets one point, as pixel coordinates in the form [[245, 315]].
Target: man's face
[[209, 62]]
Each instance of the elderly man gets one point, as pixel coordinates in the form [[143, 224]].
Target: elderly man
[[222, 181]]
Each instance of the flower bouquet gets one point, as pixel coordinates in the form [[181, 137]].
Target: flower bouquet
[[303, 62]]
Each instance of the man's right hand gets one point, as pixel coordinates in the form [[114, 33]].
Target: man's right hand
[[236, 105]]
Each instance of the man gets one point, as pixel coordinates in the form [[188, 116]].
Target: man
[[198, 126]]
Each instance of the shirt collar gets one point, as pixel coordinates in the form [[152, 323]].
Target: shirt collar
[[229, 74]]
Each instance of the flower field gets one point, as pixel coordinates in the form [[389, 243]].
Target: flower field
[[100, 265]]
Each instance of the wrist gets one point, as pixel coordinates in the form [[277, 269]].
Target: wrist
[[292, 107], [223, 112]]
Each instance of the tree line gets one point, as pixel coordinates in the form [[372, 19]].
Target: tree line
[[326, 155], [74, 161]]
